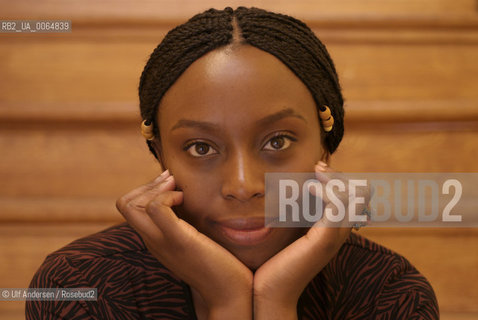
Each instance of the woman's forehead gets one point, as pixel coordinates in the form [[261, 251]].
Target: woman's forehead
[[243, 80]]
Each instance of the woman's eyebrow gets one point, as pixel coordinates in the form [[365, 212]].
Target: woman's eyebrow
[[284, 113], [184, 123], [288, 112]]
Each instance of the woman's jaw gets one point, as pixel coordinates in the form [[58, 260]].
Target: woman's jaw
[[248, 237]]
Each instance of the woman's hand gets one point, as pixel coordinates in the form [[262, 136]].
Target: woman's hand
[[222, 281], [280, 281]]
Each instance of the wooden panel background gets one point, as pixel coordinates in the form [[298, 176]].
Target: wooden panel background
[[70, 144]]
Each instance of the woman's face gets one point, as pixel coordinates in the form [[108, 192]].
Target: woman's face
[[232, 116]]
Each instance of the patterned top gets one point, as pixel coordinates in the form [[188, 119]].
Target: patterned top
[[363, 281]]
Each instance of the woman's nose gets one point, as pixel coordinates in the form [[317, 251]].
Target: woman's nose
[[243, 179]]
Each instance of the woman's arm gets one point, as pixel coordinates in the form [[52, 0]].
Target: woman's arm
[[279, 283]]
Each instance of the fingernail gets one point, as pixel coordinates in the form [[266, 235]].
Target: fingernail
[[319, 168], [323, 164], [162, 176]]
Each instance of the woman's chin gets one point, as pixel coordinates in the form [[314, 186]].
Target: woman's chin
[[255, 256], [253, 260], [253, 265]]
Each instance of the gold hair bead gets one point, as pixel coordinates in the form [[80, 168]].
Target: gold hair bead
[[147, 131], [324, 113], [326, 118], [329, 122]]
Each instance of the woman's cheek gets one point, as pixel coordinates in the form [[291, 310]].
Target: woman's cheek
[[196, 202]]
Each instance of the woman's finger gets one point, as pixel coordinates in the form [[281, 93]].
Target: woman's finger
[[332, 188], [123, 203], [134, 209], [344, 199], [142, 200], [159, 210], [136, 200]]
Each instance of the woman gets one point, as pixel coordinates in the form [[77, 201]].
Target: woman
[[225, 98]]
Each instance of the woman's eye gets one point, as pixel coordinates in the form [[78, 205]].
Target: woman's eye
[[278, 143], [200, 149]]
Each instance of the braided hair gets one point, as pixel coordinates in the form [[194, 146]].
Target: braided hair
[[285, 37]]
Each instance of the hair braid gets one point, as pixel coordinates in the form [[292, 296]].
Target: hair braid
[[285, 37], [296, 46]]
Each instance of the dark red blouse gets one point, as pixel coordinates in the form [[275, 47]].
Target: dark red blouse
[[364, 281]]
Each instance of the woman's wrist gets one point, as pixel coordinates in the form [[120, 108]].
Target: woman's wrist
[[239, 309], [267, 309]]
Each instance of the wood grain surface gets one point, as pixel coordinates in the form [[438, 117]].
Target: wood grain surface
[[70, 141]]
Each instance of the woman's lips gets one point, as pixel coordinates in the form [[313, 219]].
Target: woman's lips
[[244, 231]]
